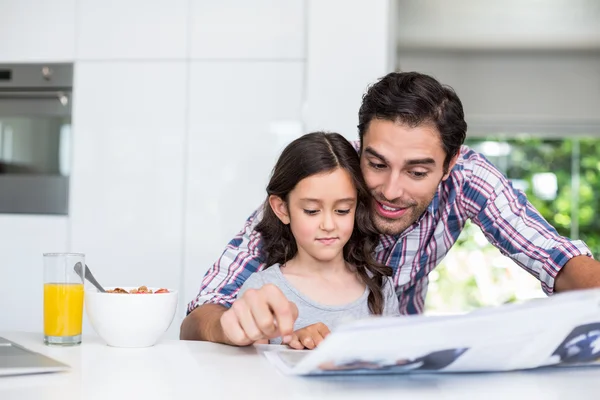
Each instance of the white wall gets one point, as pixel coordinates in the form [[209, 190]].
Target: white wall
[[507, 24], [180, 110]]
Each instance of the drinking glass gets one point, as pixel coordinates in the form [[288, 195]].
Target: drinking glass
[[63, 298]]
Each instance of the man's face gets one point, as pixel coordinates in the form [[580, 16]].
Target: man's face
[[403, 167]]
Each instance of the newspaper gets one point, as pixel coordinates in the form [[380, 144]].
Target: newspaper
[[559, 331]]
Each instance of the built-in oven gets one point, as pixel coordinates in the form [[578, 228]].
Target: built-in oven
[[35, 138]]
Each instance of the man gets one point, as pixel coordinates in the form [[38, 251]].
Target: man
[[425, 186]]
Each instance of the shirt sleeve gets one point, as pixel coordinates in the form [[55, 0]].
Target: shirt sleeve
[[511, 223], [236, 264], [255, 281], [391, 307]]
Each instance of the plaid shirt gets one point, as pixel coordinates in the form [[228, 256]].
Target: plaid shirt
[[475, 190]]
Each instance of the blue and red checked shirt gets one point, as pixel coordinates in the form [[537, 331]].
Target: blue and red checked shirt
[[475, 190]]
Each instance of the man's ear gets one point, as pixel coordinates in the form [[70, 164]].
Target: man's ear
[[280, 208], [451, 165]]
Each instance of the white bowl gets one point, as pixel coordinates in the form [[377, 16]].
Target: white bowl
[[130, 320]]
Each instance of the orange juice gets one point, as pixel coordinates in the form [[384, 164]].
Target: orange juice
[[63, 309]]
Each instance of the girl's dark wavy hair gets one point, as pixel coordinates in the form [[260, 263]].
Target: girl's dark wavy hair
[[316, 153]]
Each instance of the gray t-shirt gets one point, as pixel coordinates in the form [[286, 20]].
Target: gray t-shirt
[[311, 312]]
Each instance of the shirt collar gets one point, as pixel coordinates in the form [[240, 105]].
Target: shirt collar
[[435, 202]]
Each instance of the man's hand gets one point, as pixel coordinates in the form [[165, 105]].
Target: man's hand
[[259, 314], [309, 337]]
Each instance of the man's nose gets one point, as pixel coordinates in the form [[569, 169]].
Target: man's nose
[[392, 187]]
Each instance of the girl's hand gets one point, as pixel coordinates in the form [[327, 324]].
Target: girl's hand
[[309, 337], [259, 314]]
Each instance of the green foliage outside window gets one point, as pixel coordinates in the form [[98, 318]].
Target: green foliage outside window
[[561, 178]]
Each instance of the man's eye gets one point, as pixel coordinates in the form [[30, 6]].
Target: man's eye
[[310, 212], [419, 174], [376, 165], [343, 212]]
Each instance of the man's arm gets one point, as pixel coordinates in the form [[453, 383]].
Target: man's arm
[[578, 273], [203, 323], [511, 223]]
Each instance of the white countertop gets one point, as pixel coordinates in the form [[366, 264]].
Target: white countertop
[[200, 371]]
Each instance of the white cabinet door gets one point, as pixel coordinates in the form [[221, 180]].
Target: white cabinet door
[[242, 29], [241, 115], [132, 29], [37, 30], [23, 240], [127, 181], [349, 48]]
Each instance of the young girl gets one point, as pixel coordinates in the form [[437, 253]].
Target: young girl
[[318, 239]]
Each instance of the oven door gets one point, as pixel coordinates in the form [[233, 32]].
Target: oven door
[[35, 149]]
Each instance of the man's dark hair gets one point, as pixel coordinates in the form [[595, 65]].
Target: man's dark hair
[[413, 99]]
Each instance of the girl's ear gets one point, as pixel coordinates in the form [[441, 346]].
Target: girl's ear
[[280, 208]]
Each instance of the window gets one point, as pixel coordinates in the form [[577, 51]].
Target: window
[[561, 177]]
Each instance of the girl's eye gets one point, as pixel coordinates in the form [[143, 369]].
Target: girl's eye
[[376, 166], [311, 212], [343, 212]]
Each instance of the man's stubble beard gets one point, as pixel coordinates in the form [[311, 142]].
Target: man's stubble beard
[[388, 226]]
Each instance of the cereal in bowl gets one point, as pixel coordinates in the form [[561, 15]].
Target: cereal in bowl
[[140, 290]]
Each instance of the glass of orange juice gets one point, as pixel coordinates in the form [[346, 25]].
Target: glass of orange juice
[[63, 299]]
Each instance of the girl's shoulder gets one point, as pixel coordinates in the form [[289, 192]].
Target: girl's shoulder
[[267, 274], [258, 279]]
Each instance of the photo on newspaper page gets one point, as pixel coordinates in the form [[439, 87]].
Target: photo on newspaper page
[[427, 362], [434, 361], [581, 347]]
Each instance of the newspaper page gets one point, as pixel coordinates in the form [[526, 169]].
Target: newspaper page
[[561, 330]]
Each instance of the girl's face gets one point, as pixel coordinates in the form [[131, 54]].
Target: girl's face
[[320, 211]]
